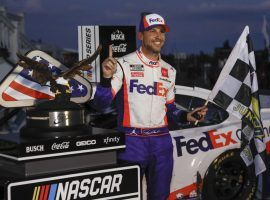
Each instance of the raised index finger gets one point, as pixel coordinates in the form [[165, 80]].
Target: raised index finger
[[110, 51]]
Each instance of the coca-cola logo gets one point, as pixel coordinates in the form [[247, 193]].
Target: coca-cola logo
[[122, 48], [63, 145]]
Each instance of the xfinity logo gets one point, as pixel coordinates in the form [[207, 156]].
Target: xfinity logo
[[36, 148], [86, 188], [63, 145], [156, 89], [108, 140], [211, 140], [85, 143]]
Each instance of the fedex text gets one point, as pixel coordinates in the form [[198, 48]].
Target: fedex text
[[210, 140]]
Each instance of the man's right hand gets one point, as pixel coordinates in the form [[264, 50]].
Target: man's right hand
[[109, 65]]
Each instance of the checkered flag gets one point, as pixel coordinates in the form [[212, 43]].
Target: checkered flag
[[236, 90]]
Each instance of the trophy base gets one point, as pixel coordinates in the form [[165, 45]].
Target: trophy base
[[53, 119], [38, 133]]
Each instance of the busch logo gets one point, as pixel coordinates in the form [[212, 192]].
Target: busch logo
[[121, 48], [63, 145], [35, 148], [117, 35], [211, 140], [156, 89]]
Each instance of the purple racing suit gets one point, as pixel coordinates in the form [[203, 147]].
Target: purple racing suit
[[144, 92]]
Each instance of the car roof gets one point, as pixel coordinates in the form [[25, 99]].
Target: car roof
[[192, 91]]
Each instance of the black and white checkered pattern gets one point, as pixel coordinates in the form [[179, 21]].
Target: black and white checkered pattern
[[236, 90]]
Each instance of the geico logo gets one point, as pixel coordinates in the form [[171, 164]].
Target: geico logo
[[156, 89], [211, 140], [87, 188], [36, 148], [151, 20], [86, 143]]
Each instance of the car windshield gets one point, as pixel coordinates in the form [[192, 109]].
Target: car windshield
[[215, 114]]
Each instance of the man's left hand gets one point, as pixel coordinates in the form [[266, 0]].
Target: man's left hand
[[197, 114]]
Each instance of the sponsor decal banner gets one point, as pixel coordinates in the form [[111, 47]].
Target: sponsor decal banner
[[115, 183], [164, 72], [122, 39], [136, 68], [137, 74], [165, 79], [64, 146]]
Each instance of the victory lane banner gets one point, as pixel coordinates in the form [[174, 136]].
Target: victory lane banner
[[115, 183], [122, 39]]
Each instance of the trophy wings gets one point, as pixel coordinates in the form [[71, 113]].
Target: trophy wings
[[42, 75]]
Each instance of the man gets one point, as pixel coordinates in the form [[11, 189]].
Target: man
[[143, 85]]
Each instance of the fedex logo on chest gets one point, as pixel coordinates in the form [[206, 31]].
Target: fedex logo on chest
[[155, 89]]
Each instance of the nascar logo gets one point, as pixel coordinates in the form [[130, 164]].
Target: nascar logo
[[111, 183], [78, 189]]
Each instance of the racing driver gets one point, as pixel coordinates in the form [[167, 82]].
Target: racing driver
[[143, 85]]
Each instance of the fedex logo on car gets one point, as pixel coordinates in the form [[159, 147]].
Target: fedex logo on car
[[156, 89], [211, 140]]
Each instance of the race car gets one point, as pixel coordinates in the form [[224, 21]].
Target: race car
[[206, 157], [207, 162]]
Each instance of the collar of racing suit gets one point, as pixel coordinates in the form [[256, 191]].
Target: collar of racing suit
[[147, 61]]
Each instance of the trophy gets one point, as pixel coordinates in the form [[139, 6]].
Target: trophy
[[60, 116]]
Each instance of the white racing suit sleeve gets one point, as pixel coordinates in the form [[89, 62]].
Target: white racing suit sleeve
[[108, 88], [173, 113]]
